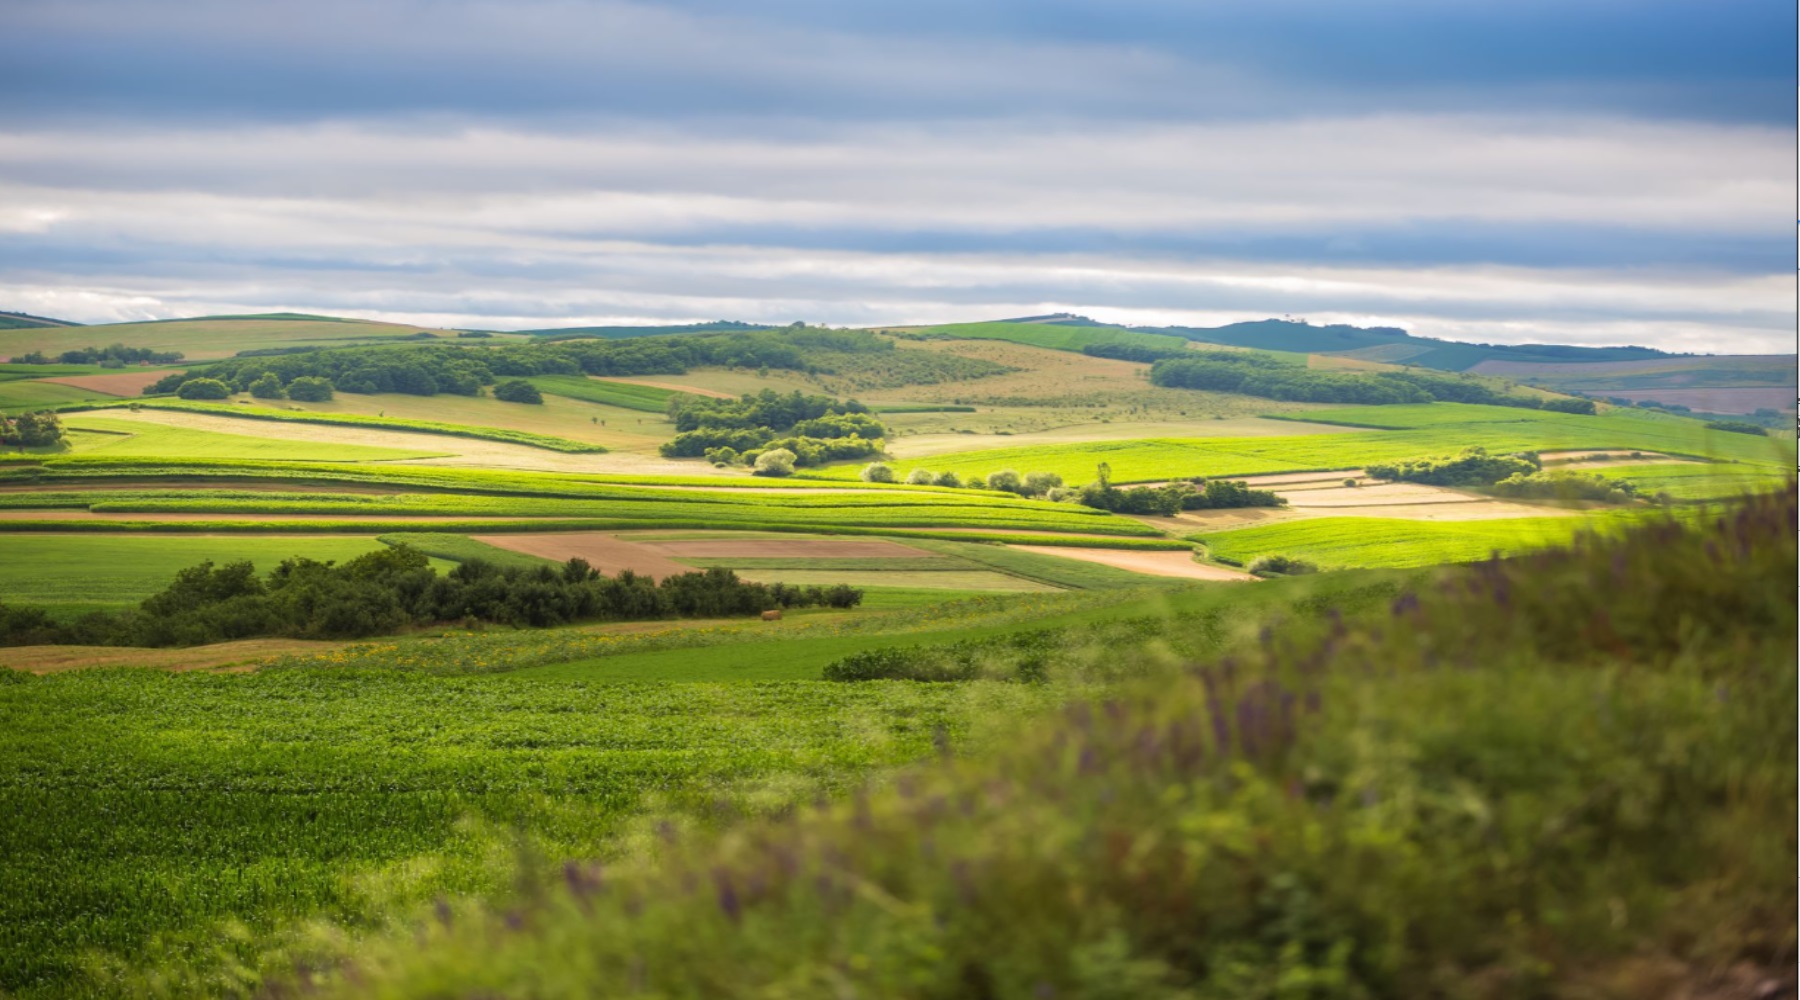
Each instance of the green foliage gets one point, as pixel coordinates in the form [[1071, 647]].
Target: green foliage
[[1566, 484], [1280, 565], [816, 429], [383, 591], [775, 462], [877, 472], [1339, 542], [1737, 427], [309, 389], [1559, 775], [268, 386], [203, 388], [517, 390], [1473, 467], [1270, 378], [1133, 352], [118, 354], [39, 429]]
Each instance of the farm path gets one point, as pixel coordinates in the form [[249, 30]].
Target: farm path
[[1166, 563]]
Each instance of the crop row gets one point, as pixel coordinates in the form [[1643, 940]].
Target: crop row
[[545, 441]]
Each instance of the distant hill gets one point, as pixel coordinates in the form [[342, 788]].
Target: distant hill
[[619, 332], [206, 337], [1396, 346], [26, 321]]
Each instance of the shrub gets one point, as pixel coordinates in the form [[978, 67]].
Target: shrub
[[1737, 427], [1039, 483], [517, 391], [898, 664], [309, 389], [204, 388], [39, 429], [1277, 565], [1571, 405], [267, 387], [950, 479], [919, 477], [1006, 481], [775, 462], [1350, 482], [976, 483], [878, 472]]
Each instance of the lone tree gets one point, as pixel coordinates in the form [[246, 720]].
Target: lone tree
[[877, 472]]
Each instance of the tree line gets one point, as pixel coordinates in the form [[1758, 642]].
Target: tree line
[[392, 589], [111, 356], [431, 369], [1270, 378]]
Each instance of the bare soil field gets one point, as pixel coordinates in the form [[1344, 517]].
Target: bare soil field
[[245, 652], [118, 384], [1180, 564], [606, 553], [783, 548]]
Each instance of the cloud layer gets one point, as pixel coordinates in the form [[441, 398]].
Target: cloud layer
[[486, 164]]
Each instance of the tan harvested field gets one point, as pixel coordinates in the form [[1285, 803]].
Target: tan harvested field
[[652, 383], [130, 383], [968, 579], [226, 655], [926, 445], [1178, 564], [607, 553], [1336, 495], [784, 548]]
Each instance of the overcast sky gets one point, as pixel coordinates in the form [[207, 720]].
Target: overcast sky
[[1581, 171]]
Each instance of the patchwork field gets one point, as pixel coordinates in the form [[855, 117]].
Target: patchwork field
[[200, 825]]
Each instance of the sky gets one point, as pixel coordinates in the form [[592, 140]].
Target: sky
[[1571, 171]]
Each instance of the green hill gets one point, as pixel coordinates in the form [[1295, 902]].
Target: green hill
[[206, 337], [26, 321]]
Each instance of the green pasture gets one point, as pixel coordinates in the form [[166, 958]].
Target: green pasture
[[130, 439], [1699, 482], [207, 337], [23, 394], [1408, 432], [86, 572], [1371, 542], [645, 398], [244, 411]]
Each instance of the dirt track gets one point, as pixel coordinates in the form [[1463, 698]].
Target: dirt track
[[1165, 563], [605, 553]]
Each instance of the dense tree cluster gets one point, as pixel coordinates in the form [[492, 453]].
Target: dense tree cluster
[[1737, 427], [427, 370], [1566, 485], [30, 430], [1271, 378], [1173, 498], [1473, 467], [816, 429], [113, 355], [391, 589]]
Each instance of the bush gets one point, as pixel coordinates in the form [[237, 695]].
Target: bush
[[1006, 481], [919, 477], [39, 429], [1277, 565], [1571, 405], [309, 389], [975, 483], [1737, 427], [950, 479], [267, 387], [1350, 482], [898, 664], [878, 472], [775, 462], [517, 390], [1039, 483], [204, 388]]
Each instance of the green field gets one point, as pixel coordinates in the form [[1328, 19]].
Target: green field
[[1372, 542], [1404, 432], [242, 411], [1697, 482], [19, 394], [647, 398], [122, 439], [1057, 337], [78, 573]]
